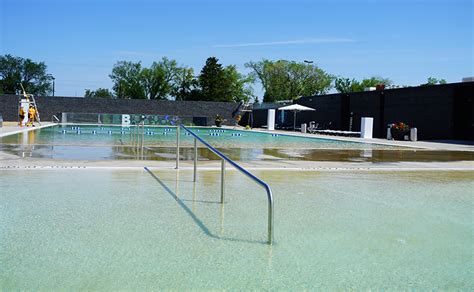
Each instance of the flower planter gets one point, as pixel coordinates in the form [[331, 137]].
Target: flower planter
[[218, 120], [400, 134]]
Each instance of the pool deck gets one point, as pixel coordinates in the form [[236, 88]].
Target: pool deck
[[449, 145], [9, 161], [10, 128]]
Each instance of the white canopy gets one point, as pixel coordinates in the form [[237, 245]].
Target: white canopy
[[295, 108]]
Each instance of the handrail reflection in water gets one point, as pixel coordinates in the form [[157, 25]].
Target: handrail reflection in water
[[238, 167]]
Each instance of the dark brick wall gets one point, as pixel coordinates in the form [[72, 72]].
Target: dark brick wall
[[429, 109], [258, 119], [463, 111], [48, 106], [328, 111], [366, 104], [439, 112]]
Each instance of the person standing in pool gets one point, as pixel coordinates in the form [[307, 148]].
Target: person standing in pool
[[21, 115]]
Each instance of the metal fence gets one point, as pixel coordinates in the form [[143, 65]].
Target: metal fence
[[131, 119]]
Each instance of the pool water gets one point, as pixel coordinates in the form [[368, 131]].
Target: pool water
[[91, 153], [80, 135], [118, 143], [333, 230]]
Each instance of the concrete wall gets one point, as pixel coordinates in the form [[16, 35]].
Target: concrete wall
[[49, 106]]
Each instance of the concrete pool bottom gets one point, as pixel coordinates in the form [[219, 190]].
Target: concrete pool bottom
[[334, 230]]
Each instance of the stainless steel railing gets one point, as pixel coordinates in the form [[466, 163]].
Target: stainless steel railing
[[225, 159], [55, 119], [138, 138]]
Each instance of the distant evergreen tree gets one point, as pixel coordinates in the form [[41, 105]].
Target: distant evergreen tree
[[213, 82], [222, 84]]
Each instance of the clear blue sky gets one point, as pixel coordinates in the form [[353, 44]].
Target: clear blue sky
[[406, 41]]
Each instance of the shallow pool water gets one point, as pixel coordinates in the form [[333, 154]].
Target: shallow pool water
[[80, 135], [116, 229], [72, 152], [95, 143]]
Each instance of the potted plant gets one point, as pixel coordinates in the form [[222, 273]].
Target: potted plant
[[218, 120], [399, 130]]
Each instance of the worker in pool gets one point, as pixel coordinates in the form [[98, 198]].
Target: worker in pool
[[21, 115], [31, 116]]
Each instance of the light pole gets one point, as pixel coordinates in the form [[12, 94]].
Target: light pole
[[52, 78], [53, 83]]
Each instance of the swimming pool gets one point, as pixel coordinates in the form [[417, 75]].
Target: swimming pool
[[80, 142], [334, 230], [83, 227], [84, 135]]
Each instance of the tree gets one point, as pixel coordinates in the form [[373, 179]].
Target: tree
[[273, 77], [344, 85], [161, 81], [238, 85], [433, 81], [371, 82], [213, 81], [285, 80], [222, 84], [158, 80], [128, 80], [33, 76], [99, 93], [185, 86]]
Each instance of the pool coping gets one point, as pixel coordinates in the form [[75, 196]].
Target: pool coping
[[39, 163], [217, 169], [24, 129]]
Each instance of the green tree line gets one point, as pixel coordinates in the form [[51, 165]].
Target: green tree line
[[166, 80], [16, 70]]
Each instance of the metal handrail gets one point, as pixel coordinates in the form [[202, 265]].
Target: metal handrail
[[54, 117], [241, 169]]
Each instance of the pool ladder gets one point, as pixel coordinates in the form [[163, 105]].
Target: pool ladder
[[137, 137], [225, 159]]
